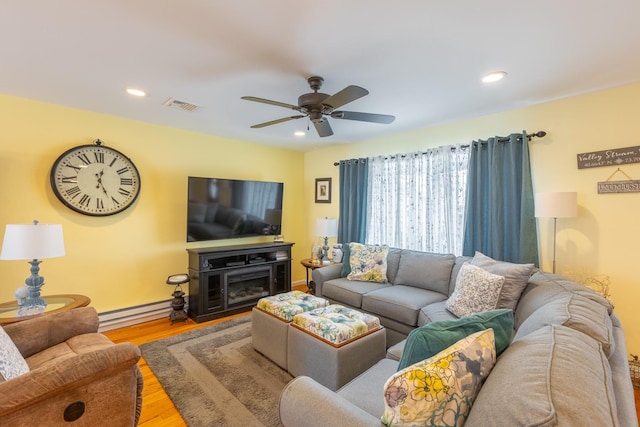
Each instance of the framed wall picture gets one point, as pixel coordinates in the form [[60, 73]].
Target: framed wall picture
[[323, 190]]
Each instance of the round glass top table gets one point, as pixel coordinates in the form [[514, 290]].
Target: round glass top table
[[55, 304]]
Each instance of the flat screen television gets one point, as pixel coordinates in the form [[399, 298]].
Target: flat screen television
[[230, 208]]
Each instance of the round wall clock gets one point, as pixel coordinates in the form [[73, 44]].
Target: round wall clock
[[95, 180]]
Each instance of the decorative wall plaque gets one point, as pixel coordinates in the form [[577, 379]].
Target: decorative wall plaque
[[628, 186], [613, 157], [619, 187]]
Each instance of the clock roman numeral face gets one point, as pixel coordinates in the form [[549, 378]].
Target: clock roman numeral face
[[95, 180]]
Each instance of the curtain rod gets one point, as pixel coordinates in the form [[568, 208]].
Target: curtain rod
[[539, 134]]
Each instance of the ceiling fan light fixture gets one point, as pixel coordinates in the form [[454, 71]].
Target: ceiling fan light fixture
[[316, 105], [494, 77], [136, 92], [299, 133]]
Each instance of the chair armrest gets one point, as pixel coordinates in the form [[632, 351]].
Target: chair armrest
[[39, 333], [68, 374], [322, 274], [304, 402]]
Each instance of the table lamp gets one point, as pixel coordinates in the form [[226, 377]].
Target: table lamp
[[326, 228], [556, 205], [32, 242]]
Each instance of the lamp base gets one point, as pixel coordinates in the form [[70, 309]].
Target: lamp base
[[31, 310], [325, 252], [33, 304]]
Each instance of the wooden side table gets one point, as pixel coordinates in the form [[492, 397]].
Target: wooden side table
[[55, 304], [310, 264]]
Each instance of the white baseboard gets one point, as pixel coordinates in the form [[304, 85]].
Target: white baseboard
[[133, 315], [143, 313]]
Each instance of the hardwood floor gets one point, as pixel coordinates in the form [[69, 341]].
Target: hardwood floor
[[637, 395], [157, 409]]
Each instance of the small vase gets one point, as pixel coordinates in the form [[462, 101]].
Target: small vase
[[337, 252], [316, 254]]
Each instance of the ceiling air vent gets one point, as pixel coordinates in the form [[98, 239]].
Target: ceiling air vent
[[174, 103]]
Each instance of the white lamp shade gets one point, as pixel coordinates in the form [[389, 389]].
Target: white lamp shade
[[32, 241], [326, 227], [556, 205]]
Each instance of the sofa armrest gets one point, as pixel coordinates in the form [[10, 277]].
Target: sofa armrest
[[322, 274], [304, 402], [68, 374], [39, 333]]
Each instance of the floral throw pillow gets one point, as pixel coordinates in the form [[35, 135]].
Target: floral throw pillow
[[12, 364], [368, 262], [476, 290], [439, 391]]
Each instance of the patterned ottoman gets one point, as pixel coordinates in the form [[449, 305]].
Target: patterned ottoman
[[334, 344], [270, 322]]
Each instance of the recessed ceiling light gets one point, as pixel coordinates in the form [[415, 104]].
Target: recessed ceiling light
[[494, 77], [299, 133], [136, 92]]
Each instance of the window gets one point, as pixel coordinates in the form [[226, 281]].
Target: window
[[417, 200]]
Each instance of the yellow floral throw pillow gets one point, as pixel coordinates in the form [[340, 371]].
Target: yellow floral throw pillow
[[439, 391], [368, 262]]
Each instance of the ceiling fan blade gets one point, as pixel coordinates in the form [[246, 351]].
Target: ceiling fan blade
[[363, 117], [345, 96], [268, 101], [323, 127], [275, 122]]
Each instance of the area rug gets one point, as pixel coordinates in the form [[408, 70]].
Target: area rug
[[215, 377]]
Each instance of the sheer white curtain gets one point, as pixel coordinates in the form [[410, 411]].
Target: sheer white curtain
[[417, 200]]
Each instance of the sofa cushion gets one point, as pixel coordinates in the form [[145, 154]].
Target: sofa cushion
[[393, 263], [546, 287], [368, 262], [576, 312], [425, 270], [365, 390], [349, 292], [79, 344], [553, 376], [12, 364], [440, 391], [401, 303], [460, 261], [434, 313], [428, 340], [516, 278], [476, 290]]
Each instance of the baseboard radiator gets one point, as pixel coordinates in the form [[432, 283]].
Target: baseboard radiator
[[143, 313], [133, 315]]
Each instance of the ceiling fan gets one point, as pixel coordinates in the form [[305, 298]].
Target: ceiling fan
[[316, 106]]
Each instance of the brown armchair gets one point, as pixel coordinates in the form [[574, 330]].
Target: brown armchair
[[77, 376]]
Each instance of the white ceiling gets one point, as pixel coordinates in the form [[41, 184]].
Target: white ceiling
[[421, 60]]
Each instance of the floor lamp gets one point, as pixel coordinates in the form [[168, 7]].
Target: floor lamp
[[556, 205]]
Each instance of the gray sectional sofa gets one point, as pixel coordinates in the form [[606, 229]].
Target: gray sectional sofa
[[566, 365]]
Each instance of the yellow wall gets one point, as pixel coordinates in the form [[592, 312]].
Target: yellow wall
[[603, 239], [123, 260]]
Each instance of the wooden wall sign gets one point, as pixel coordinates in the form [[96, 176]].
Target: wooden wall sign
[[619, 187], [613, 157]]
